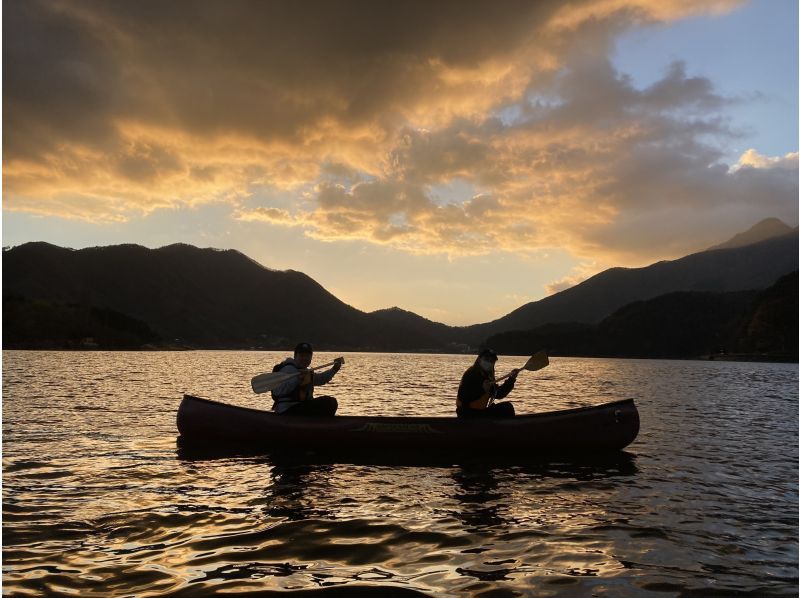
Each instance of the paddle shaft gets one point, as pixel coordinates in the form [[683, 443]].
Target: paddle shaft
[[536, 362], [501, 378], [301, 372], [496, 380], [273, 379]]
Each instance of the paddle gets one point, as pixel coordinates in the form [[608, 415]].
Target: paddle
[[536, 362], [265, 382]]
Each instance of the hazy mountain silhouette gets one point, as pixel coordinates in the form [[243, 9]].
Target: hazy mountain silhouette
[[759, 324], [440, 334], [41, 324], [202, 297], [222, 299], [766, 229], [754, 266], [770, 326]]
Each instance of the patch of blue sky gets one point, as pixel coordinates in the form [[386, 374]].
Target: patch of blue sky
[[750, 54], [544, 99], [398, 220], [509, 115], [535, 104], [337, 172], [266, 196], [453, 191]]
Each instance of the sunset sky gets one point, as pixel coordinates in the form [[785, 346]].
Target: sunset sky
[[457, 159]]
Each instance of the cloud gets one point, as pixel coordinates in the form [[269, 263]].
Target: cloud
[[289, 71], [577, 275], [752, 159], [273, 215], [622, 177], [575, 14], [362, 110]]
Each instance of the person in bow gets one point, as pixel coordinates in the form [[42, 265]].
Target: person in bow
[[296, 395], [478, 390]]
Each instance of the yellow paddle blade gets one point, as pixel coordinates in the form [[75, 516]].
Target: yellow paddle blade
[[537, 361]]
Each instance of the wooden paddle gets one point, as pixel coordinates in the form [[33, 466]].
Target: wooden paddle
[[265, 382], [536, 362]]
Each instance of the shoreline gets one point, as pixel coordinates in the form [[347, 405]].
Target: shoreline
[[733, 357]]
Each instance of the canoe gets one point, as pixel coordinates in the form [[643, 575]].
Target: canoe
[[585, 430]]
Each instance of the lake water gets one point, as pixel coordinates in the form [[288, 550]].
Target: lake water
[[98, 501]]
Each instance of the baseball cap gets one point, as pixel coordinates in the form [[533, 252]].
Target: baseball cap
[[303, 348], [488, 354]]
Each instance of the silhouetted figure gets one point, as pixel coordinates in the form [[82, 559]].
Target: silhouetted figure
[[296, 396], [478, 390]]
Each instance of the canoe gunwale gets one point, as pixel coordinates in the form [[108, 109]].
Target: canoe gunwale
[[412, 419], [587, 430]]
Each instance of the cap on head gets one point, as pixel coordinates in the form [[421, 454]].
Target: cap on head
[[489, 354], [303, 348]]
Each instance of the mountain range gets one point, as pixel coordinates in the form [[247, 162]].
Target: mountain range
[[204, 298], [740, 324], [734, 268], [766, 229], [180, 295]]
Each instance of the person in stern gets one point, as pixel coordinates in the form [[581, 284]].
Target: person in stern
[[478, 389], [296, 395]]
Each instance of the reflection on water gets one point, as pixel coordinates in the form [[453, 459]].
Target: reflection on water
[[287, 494], [344, 511], [479, 498], [98, 501]]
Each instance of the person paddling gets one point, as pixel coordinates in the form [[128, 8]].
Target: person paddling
[[296, 395], [478, 389]]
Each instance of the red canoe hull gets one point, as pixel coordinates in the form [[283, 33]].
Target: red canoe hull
[[585, 430]]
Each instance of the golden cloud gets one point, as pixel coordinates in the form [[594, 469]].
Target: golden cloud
[[359, 111], [574, 14], [752, 159]]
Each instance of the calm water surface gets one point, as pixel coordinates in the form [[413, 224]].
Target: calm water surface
[[97, 500]]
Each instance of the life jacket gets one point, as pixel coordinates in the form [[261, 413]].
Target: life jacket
[[301, 392], [481, 402]]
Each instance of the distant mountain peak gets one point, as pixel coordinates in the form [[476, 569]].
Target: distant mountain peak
[[766, 229], [405, 317], [397, 314], [394, 310]]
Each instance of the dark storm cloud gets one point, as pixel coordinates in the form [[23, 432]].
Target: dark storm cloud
[[264, 68]]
